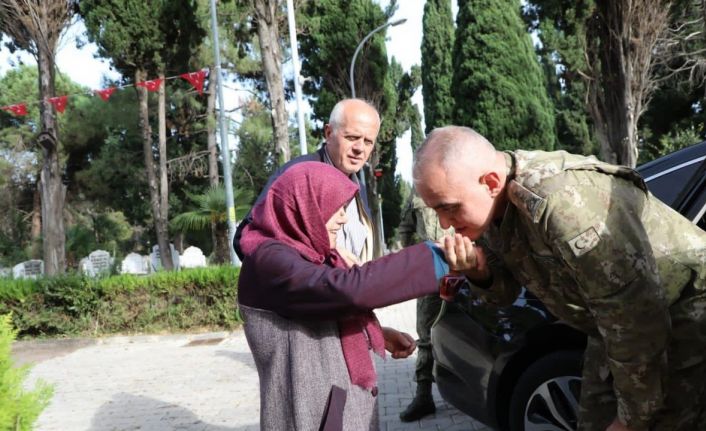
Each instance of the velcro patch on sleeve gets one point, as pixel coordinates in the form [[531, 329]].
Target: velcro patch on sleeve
[[584, 242]]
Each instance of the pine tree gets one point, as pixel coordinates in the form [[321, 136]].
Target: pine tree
[[559, 26], [498, 86], [437, 45], [147, 39], [36, 27], [333, 29]]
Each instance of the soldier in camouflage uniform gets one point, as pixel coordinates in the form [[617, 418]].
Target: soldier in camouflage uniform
[[603, 254], [420, 223]]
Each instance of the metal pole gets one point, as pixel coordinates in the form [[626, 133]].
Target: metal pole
[[297, 83], [382, 226], [362, 42], [381, 240], [225, 150]]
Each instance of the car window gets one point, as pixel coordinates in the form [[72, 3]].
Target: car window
[[668, 184]]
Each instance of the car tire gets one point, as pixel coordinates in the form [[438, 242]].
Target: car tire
[[546, 396]]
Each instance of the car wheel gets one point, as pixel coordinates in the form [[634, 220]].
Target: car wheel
[[546, 397]]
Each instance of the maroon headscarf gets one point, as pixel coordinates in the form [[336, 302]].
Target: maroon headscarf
[[296, 208], [295, 211]]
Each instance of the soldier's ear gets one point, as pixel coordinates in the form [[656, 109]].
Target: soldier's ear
[[327, 130], [493, 183]]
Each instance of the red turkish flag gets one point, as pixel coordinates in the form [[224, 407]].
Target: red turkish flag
[[18, 109], [59, 102], [152, 85], [196, 79], [105, 93]]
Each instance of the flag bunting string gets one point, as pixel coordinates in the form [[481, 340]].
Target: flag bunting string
[[196, 79]]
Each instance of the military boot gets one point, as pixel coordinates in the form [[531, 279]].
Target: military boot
[[421, 405]]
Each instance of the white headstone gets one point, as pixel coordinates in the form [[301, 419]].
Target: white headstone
[[155, 258], [86, 267], [101, 261], [29, 269], [193, 257], [147, 264], [135, 264]]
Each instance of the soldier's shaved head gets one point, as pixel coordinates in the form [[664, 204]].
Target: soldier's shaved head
[[458, 173], [454, 147]]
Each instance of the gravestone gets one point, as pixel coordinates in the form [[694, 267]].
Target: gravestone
[[156, 261], [101, 261], [135, 264], [86, 267], [29, 269], [193, 257], [147, 264]]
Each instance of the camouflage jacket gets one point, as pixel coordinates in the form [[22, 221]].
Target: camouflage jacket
[[605, 256], [419, 223]]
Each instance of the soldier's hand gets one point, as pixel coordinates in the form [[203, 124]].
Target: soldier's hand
[[464, 257]]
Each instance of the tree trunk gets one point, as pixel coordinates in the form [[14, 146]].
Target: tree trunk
[[36, 230], [621, 37], [266, 12], [221, 251], [52, 189], [155, 202], [165, 253]]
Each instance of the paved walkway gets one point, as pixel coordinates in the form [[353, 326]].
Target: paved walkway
[[192, 383]]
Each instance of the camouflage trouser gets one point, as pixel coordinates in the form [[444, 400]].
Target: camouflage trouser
[[685, 401], [427, 310]]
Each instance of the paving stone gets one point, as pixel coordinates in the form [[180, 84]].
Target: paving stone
[[193, 382]]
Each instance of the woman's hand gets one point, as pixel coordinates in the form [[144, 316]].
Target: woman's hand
[[464, 257], [399, 344]]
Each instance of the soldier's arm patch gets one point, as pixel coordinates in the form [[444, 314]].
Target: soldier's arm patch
[[529, 203], [584, 242]]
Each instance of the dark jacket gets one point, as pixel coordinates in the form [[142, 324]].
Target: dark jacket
[[318, 156]]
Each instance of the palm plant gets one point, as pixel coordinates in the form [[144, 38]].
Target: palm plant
[[210, 210]]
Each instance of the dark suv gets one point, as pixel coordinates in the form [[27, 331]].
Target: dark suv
[[518, 368]]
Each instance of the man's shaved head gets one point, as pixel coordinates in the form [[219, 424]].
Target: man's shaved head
[[459, 174], [453, 147]]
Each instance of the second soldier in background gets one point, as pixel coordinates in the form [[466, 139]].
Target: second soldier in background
[[420, 223]]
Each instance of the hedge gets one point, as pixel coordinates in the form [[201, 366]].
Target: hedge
[[77, 305]]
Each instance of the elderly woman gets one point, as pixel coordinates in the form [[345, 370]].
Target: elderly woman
[[308, 307]]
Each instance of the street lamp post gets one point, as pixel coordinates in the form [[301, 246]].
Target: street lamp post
[[225, 150], [297, 76], [381, 235], [362, 42]]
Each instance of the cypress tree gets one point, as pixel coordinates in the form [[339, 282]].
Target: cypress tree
[[559, 25], [498, 86], [437, 45]]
